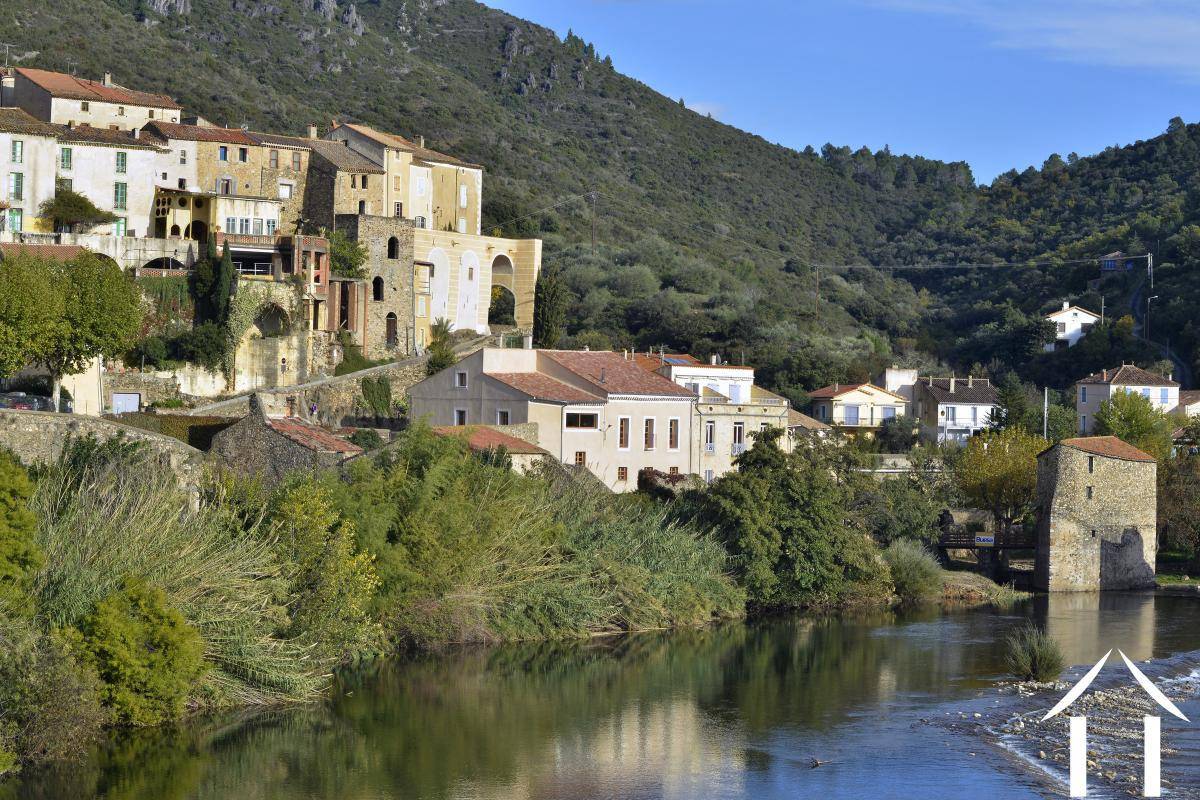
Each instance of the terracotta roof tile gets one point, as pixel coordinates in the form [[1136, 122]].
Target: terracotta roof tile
[[91, 135], [612, 373], [481, 437], [542, 387], [838, 389], [1127, 375], [60, 84], [798, 420], [400, 143], [17, 120], [1108, 446], [655, 361], [1189, 396], [199, 133], [311, 436]]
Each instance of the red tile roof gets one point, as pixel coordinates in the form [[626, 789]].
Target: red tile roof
[[1128, 375], [1108, 446], [542, 387], [400, 143], [481, 437], [58, 252], [91, 135], [798, 420], [18, 120], [1189, 396], [60, 84], [199, 133], [839, 389], [311, 436], [614, 374]]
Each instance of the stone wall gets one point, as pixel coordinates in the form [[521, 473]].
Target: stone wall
[[153, 387], [38, 438], [1106, 541], [374, 234], [253, 448]]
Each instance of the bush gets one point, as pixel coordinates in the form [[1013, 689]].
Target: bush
[[194, 430], [20, 556], [1032, 655], [144, 651], [151, 352], [916, 574], [204, 344], [366, 438]]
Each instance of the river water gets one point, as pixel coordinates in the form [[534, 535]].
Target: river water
[[887, 702]]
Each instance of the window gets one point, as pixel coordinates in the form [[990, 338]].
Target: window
[[243, 154], [622, 474], [708, 476], [673, 471], [1083, 394], [150, 114], [421, 307], [285, 191], [273, 159], [1146, 393], [823, 411], [1062, 327], [222, 153], [182, 183], [258, 227], [739, 433], [648, 433], [119, 226], [364, 181], [64, 158], [1083, 423], [710, 436], [470, 273], [889, 412], [502, 417], [296, 161], [120, 190], [583, 421], [580, 458], [83, 106], [1089, 493], [225, 186], [120, 111], [673, 434], [623, 433], [362, 206], [851, 415], [419, 221], [1091, 464], [183, 156], [16, 186], [1162, 396], [231, 224], [18, 151], [462, 196], [460, 380], [16, 220], [399, 209], [460, 416], [974, 415], [462, 225], [270, 227], [393, 248], [377, 288], [951, 414], [122, 162]]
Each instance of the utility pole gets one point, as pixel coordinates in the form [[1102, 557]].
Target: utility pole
[[1045, 412], [6, 46], [1101, 309], [594, 193], [1150, 268]]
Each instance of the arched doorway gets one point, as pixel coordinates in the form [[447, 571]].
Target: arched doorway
[[174, 230], [439, 283], [197, 230], [377, 289], [393, 250], [271, 321], [503, 298], [392, 331]]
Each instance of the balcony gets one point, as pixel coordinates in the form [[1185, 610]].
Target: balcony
[[710, 447], [738, 448], [248, 241]]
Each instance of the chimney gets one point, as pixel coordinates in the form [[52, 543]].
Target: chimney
[[107, 80], [1066, 305], [312, 131], [421, 141], [714, 359], [951, 384], [1104, 374], [137, 133], [970, 381], [929, 380], [527, 341], [603, 375]]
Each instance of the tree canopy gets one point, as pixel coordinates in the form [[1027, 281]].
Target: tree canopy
[[1134, 419]]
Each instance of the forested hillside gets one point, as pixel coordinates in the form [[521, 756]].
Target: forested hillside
[[705, 235]]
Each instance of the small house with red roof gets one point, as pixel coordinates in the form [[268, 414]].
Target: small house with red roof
[[1161, 390], [68, 100], [596, 410], [523, 455], [855, 408], [271, 447], [1097, 516]]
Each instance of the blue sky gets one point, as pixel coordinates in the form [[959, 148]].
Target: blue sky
[[996, 83]]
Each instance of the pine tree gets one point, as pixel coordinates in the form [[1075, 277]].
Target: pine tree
[[549, 307]]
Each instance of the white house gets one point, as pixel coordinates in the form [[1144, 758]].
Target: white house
[[1070, 325], [1090, 392], [954, 409], [900, 381], [27, 153], [65, 99], [113, 169]]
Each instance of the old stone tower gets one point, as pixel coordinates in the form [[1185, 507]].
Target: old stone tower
[[388, 331], [1096, 516]]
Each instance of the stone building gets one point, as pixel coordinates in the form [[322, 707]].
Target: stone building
[[1096, 516], [272, 447], [389, 302]]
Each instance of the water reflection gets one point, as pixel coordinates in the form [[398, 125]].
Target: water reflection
[[737, 711]]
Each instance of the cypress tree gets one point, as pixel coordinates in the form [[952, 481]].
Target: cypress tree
[[222, 286], [549, 307]]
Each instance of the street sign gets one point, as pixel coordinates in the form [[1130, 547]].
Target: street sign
[[985, 540]]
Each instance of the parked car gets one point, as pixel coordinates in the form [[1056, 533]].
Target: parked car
[[22, 401]]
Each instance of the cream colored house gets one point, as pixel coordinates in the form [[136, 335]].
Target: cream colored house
[[729, 408], [65, 99], [594, 410], [1090, 392], [1071, 323], [856, 408], [113, 169], [28, 149]]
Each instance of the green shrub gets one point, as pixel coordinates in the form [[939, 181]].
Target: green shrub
[[367, 438], [194, 430], [147, 655], [152, 352], [20, 556], [916, 573], [1032, 655], [204, 345]]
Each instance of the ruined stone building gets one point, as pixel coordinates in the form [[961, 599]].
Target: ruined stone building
[[1097, 511]]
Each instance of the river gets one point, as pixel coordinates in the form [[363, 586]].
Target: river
[[886, 702]]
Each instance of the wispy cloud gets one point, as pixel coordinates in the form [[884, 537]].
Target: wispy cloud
[[1160, 35], [714, 110]]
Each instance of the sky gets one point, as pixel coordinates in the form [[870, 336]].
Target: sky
[[1000, 84]]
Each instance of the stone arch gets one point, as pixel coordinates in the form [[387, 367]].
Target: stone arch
[[164, 262], [439, 283], [377, 288], [469, 281], [107, 259], [174, 230], [197, 230], [270, 321], [393, 248], [503, 273]]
